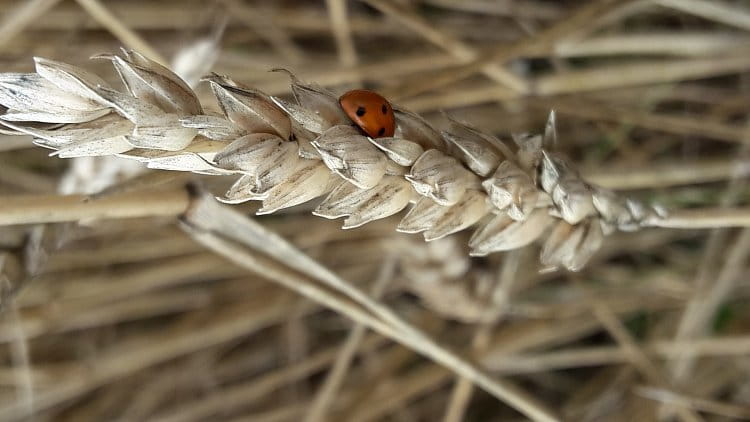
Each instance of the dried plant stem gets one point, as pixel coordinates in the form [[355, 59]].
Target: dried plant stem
[[20, 355], [611, 355], [688, 44], [647, 72], [704, 304], [35, 209], [30, 181], [462, 391], [712, 10], [89, 314], [667, 175], [136, 319], [459, 401], [638, 358], [541, 41], [289, 413], [266, 27], [142, 279], [415, 383], [603, 18], [165, 244], [18, 19], [104, 16], [679, 125], [232, 322], [703, 218], [600, 78], [393, 67], [336, 374], [706, 289], [248, 393], [327, 394], [697, 403], [378, 367], [454, 46], [220, 228], [342, 32]]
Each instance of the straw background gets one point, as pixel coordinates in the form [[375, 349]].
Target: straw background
[[134, 319]]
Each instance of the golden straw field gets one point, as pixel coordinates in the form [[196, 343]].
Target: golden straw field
[[374, 210]]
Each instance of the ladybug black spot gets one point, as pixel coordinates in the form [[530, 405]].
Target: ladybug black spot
[[361, 111], [384, 109], [381, 132]]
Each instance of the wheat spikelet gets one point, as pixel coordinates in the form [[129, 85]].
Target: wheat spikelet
[[285, 153]]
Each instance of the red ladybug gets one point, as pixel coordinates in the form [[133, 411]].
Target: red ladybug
[[370, 111]]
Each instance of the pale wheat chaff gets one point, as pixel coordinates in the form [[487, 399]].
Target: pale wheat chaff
[[288, 152]]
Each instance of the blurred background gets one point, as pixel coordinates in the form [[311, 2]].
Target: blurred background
[[131, 320]]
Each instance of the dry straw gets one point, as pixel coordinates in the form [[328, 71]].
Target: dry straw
[[285, 153]]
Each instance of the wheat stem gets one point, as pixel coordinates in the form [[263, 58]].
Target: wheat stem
[[220, 229], [287, 156], [655, 175], [35, 209], [502, 288], [327, 392], [703, 218]]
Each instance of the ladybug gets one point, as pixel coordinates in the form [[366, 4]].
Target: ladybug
[[370, 111]]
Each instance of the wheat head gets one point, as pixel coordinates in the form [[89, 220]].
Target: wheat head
[[285, 153]]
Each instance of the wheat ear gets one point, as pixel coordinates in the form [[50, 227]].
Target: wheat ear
[[285, 153]]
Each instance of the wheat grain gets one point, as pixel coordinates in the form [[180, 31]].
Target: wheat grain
[[289, 152]]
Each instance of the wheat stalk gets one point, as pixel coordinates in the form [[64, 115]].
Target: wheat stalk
[[285, 153]]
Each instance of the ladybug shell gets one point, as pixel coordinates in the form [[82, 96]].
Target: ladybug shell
[[370, 111]]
